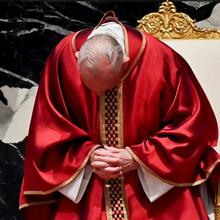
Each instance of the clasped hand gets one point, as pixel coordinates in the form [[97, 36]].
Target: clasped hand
[[111, 162]]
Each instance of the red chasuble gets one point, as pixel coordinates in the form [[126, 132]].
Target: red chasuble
[[165, 120]]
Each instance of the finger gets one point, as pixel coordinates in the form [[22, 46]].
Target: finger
[[107, 176], [102, 152], [112, 149], [92, 157], [105, 154], [99, 165], [114, 161], [99, 150], [110, 170]]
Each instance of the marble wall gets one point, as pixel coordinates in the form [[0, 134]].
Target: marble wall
[[28, 32]]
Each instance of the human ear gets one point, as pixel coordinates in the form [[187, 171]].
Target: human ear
[[126, 59], [77, 54]]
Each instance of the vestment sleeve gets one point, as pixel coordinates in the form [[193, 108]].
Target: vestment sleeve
[[58, 146], [153, 187], [181, 151], [76, 188]]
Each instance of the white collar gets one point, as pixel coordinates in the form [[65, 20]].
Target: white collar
[[112, 29]]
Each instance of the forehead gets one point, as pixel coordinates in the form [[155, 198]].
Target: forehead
[[102, 72], [99, 81]]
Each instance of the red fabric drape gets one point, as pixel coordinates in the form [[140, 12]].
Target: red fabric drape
[[168, 125]]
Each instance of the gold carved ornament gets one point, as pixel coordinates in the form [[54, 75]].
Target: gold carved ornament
[[167, 23]]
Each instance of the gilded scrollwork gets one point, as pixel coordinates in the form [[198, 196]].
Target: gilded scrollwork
[[167, 23]]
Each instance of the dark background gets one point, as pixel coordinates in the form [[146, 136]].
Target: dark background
[[28, 32]]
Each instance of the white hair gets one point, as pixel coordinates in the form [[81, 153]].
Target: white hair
[[100, 46]]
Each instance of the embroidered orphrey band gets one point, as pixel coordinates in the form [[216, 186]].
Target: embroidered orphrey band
[[111, 133], [217, 201]]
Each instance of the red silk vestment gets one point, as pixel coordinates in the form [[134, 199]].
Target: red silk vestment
[[167, 124]]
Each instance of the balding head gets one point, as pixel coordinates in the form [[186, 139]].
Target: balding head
[[101, 60]]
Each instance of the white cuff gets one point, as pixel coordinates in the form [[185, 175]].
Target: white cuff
[[217, 149], [76, 188], [152, 186]]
